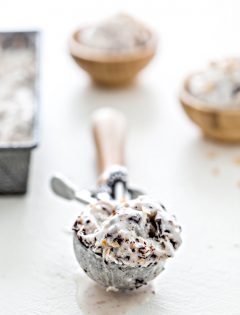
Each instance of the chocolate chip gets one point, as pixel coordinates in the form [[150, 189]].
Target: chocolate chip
[[151, 232], [163, 207], [82, 242], [142, 250], [174, 244], [75, 227], [118, 239], [135, 218], [159, 228]]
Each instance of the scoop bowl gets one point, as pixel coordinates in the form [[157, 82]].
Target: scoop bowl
[[112, 276]]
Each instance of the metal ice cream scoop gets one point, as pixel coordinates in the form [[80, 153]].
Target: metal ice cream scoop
[[109, 129]]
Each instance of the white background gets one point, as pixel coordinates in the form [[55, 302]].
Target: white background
[[166, 156]]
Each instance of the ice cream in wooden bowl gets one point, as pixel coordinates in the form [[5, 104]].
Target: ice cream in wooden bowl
[[211, 98], [113, 51]]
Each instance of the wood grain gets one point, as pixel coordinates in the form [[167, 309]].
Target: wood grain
[[109, 128]]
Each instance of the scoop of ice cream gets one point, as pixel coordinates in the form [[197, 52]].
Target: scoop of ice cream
[[219, 84], [135, 233], [119, 33]]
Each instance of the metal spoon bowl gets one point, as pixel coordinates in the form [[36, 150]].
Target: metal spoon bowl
[[111, 275]]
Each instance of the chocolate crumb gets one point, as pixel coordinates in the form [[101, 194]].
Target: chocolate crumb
[[118, 239], [135, 218], [163, 206], [174, 244]]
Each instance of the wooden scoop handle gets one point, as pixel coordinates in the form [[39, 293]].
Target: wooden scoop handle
[[109, 128]]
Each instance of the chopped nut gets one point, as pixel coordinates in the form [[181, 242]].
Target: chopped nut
[[115, 245], [215, 171], [104, 243], [237, 160], [211, 155], [141, 261], [132, 245]]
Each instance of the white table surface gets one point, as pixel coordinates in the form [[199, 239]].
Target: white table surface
[[166, 156]]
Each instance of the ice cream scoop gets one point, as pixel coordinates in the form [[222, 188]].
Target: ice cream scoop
[[122, 238]]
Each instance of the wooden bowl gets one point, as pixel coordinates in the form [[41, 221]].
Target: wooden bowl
[[216, 123], [108, 68]]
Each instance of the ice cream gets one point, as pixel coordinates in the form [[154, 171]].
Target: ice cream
[[17, 73], [118, 33], [218, 85], [137, 233]]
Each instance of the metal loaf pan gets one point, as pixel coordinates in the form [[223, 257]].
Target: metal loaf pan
[[15, 158]]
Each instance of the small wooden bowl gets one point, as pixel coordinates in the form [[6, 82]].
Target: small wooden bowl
[[219, 124], [111, 69]]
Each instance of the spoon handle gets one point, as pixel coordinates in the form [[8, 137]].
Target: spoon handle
[[109, 128]]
